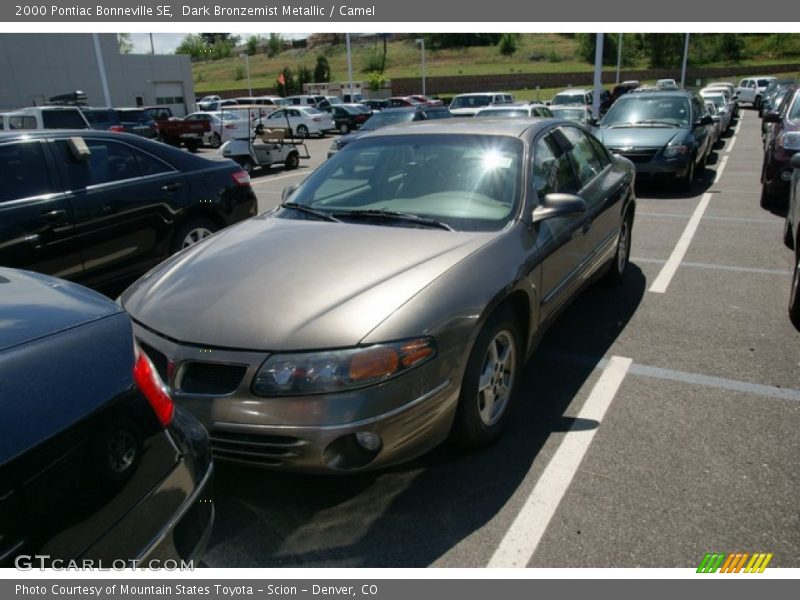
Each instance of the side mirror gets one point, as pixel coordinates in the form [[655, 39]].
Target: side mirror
[[288, 191], [772, 117], [559, 205], [704, 120], [592, 121], [795, 161]]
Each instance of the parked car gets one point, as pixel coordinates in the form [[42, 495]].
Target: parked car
[[466, 105], [791, 237], [44, 117], [515, 111], [667, 84], [579, 96], [302, 121], [722, 109], [716, 126], [222, 126], [402, 102], [579, 114], [205, 102], [731, 104], [347, 117], [775, 103], [664, 133], [176, 131], [781, 144], [96, 461], [104, 119], [268, 101], [138, 122], [732, 95], [217, 105], [402, 352], [99, 207], [391, 116], [376, 104], [772, 89], [352, 98], [751, 90], [422, 99], [305, 100]]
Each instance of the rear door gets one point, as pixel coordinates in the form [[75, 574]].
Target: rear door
[[36, 218], [125, 201]]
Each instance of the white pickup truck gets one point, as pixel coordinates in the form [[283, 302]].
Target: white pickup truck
[[751, 90]]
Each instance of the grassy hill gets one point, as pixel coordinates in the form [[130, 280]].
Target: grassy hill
[[536, 53]]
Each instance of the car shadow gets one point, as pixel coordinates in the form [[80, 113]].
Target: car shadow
[[413, 514], [668, 189]]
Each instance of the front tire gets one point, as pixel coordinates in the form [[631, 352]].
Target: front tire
[[302, 131], [490, 379], [687, 181], [215, 141], [292, 161], [344, 129]]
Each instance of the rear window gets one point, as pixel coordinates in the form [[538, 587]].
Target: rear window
[[101, 117], [470, 101], [568, 99], [763, 82], [24, 171], [136, 116], [63, 119]]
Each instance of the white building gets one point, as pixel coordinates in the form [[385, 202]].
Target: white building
[[36, 66]]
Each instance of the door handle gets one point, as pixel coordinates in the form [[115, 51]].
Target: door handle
[[54, 215], [171, 187]]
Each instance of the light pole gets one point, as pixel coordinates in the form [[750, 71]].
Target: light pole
[[685, 57], [619, 55], [349, 67], [421, 42], [247, 69], [598, 74]]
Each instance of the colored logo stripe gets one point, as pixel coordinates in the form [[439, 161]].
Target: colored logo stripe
[[734, 563]]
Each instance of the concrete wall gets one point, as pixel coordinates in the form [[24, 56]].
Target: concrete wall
[[34, 67]]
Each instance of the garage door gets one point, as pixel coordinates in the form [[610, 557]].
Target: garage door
[[170, 93]]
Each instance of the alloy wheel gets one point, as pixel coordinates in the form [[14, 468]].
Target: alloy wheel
[[497, 378]]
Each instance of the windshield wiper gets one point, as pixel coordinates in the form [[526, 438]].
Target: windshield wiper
[[396, 216], [653, 122], [310, 211]]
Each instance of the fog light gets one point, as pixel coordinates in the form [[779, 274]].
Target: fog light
[[368, 440], [786, 175]]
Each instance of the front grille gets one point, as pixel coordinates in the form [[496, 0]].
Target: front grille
[[158, 359], [211, 378], [637, 155], [254, 447]]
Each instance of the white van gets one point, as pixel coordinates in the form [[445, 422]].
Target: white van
[[467, 105], [44, 117]]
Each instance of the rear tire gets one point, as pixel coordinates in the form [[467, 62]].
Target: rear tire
[[344, 129], [292, 161], [766, 200], [248, 166], [489, 383], [215, 141], [794, 296], [192, 232], [302, 131], [619, 264]]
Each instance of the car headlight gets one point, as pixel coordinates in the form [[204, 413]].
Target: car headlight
[[674, 150], [303, 373], [789, 140]]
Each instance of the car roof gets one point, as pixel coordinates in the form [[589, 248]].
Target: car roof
[[574, 91], [466, 126], [485, 94]]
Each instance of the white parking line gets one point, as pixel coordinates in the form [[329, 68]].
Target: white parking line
[[525, 533], [733, 143], [673, 262]]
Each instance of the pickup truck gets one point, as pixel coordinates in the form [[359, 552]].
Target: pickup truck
[[176, 131]]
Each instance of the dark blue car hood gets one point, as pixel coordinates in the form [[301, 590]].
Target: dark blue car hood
[[638, 137], [34, 306]]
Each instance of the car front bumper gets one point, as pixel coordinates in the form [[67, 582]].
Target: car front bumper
[[402, 418]]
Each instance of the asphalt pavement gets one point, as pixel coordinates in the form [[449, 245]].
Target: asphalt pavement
[[656, 422]]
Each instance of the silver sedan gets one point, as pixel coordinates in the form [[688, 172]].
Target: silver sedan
[[391, 300]]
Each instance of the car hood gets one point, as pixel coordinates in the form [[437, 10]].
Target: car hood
[[34, 306], [279, 284], [638, 137]]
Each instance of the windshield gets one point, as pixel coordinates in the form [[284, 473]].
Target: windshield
[[716, 100], [471, 101], [515, 113], [573, 114], [654, 110], [388, 117], [794, 112], [468, 182], [568, 99]]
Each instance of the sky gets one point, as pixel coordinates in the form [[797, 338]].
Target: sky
[[165, 43]]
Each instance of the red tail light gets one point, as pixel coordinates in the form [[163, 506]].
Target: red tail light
[[153, 388], [361, 118], [241, 178], [116, 128], [230, 126]]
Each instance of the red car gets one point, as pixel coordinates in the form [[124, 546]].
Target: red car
[[427, 100]]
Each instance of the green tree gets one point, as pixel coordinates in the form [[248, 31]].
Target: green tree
[[322, 70], [253, 43], [274, 44], [508, 43], [304, 75], [194, 46]]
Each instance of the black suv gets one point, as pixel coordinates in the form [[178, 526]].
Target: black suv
[[392, 116], [101, 208], [664, 133]]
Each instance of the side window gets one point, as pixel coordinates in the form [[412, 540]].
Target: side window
[[582, 154], [600, 151], [22, 122], [150, 165], [24, 171], [552, 171], [109, 161], [698, 108]]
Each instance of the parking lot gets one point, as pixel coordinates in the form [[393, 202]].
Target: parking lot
[[656, 422]]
